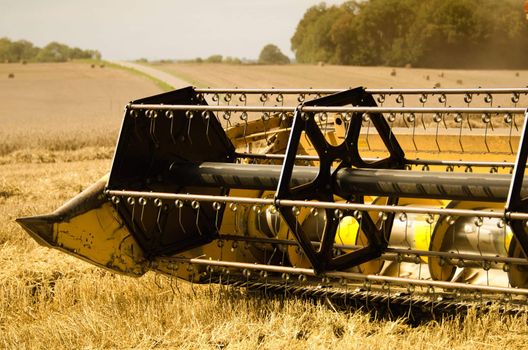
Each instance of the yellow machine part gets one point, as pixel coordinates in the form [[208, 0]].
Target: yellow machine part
[[100, 237], [442, 237], [88, 227]]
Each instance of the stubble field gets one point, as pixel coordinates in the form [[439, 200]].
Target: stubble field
[[328, 76], [59, 123]]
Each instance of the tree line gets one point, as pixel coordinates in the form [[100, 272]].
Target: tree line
[[25, 51], [270, 54], [420, 33]]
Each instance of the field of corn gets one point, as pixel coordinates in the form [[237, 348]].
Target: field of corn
[[58, 126]]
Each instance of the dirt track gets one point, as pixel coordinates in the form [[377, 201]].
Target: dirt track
[[171, 80]]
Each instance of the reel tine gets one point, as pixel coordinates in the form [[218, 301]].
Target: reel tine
[[227, 117], [412, 119], [159, 204], [153, 115], [458, 120], [508, 120], [437, 118], [170, 116], [244, 118], [132, 203], [143, 202], [265, 118], [179, 205], [423, 100], [235, 209], [207, 116], [390, 120], [366, 118], [487, 121], [217, 207], [190, 116]]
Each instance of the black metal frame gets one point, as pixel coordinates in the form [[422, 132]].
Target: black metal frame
[[321, 188], [151, 145], [515, 202], [155, 160]]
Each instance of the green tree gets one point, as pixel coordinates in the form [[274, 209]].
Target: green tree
[[5, 45], [312, 41], [23, 50], [16, 51], [54, 52], [214, 59], [232, 60], [433, 33], [271, 54]]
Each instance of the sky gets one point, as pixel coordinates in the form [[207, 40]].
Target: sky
[[157, 29]]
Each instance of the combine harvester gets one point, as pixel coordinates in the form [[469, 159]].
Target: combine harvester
[[408, 197]]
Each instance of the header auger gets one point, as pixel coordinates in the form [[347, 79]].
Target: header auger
[[409, 195]]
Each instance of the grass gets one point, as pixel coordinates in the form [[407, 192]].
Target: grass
[[159, 83], [51, 300]]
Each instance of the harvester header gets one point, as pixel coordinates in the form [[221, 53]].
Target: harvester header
[[418, 193]]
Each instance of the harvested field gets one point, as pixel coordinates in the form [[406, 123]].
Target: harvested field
[[64, 106], [328, 76], [59, 123]]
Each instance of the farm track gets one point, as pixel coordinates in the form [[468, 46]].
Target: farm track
[[167, 78]]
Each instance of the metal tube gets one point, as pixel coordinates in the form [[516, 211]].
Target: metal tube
[[392, 251], [372, 91], [246, 176], [407, 161], [278, 109], [353, 276], [419, 184], [373, 182], [324, 205]]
